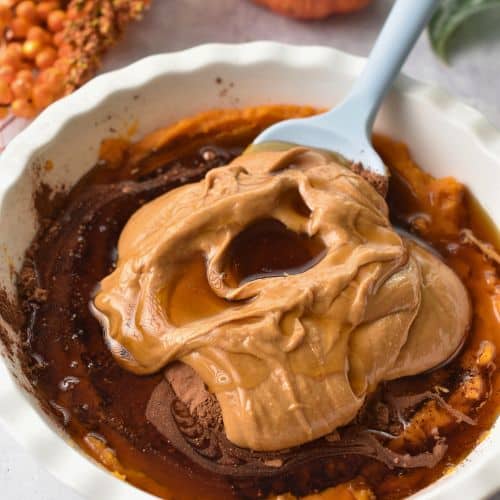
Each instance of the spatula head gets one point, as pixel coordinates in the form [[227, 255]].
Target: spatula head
[[312, 133]]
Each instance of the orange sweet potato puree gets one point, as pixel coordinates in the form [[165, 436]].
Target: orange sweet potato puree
[[438, 210]]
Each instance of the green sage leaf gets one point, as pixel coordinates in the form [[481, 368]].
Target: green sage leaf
[[449, 16]]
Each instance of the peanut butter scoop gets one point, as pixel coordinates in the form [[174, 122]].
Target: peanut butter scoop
[[280, 280]]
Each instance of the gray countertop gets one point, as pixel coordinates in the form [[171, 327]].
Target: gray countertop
[[474, 76]]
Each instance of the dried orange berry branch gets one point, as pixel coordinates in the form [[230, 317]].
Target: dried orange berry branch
[[51, 47]]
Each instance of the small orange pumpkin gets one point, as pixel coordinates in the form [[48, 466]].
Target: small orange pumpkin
[[313, 9]]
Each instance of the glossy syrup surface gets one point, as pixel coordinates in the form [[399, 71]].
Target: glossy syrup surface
[[268, 248]]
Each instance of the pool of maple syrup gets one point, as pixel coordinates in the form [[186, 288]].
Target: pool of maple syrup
[[267, 248], [102, 406]]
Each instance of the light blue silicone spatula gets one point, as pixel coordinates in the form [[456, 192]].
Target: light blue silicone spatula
[[346, 129]]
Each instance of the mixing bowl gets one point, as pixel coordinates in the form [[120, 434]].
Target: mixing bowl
[[445, 137]]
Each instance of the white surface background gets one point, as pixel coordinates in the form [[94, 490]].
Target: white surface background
[[474, 75]]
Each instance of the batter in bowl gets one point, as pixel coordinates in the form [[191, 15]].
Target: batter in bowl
[[157, 430]]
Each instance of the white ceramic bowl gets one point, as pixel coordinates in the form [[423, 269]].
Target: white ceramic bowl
[[445, 137]]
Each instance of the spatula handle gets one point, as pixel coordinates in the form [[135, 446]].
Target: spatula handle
[[401, 30]]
